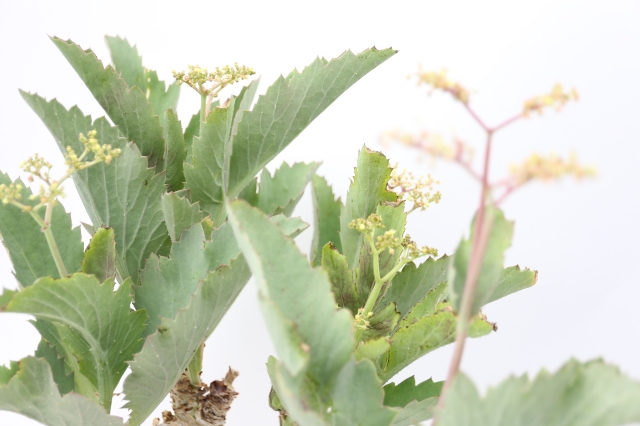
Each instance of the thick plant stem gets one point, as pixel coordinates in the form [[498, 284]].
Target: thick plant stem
[[479, 244], [48, 234], [195, 367], [203, 107], [377, 287]]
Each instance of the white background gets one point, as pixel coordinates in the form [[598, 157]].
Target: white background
[[582, 237]]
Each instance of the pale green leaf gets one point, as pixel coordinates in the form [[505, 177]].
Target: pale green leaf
[[498, 240], [167, 352], [127, 107], [6, 373], [289, 106], [124, 195], [281, 192], [411, 285], [513, 279], [63, 379], [367, 191], [382, 323], [243, 102], [33, 393], [372, 349], [326, 218], [161, 97], [416, 402], [127, 62], [179, 214], [175, 151], [342, 285], [413, 341], [590, 394], [6, 297], [301, 292], [100, 258], [192, 130], [290, 226], [27, 245], [429, 304], [106, 333]]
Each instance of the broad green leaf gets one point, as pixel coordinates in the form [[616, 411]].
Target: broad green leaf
[[179, 214], [100, 258], [166, 284], [63, 379], [124, 195], [243, 102], [290, 226], [192, 130], [301, 292], [382, 323], [106, 333], [402, 394], [342, 285], [498, 240], [326, 218], [33, 393], [6, 373], [204, 171], [357, 396], [372, 349], [281, 192], [367, 191], [6, 297], [589, 394], [55, 334], [250, 192], [513, 279], [289, 106], [412, 341], [412, 284], [429, 304], [161, 97], [175, 151], [167, 352], [27, 245], [127, 107], [127, 62]]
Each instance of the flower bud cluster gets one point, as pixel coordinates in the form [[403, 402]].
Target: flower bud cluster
[[35, 165], [417, 191], [198, 76], [367, 226], [361, 319], [439, 81], [556, 98], [389, 241], [100, 152], [537, 167], [11, 192], [413, 252]]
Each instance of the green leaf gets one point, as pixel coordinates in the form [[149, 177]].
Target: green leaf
[[301, 317], [33, 393], [290, 226], [192, 130], [175, 151], [168, 283], [204, 171], [372, 349], [6, 373], [167, 352], [382, 323], [161, 100], [27, 245], [367, 191], [413, 341], [590, 394], [127, 62], [417, 402], [412, 284], [127, 107], [342, 285], [429, 304], [63, 379], [281, 192], [498, 240], [326, 218], [243, 102], [402, 394], [6, 297], [289, 106], [100, 258], [105, 333], [513, 279], [124, 195], [179, 214]]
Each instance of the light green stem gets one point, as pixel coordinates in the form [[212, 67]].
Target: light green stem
[[203, 107], [375, 291], [195, 367], [48, 234]]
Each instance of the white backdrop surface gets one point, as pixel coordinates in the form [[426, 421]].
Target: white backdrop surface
[[583, 238]]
